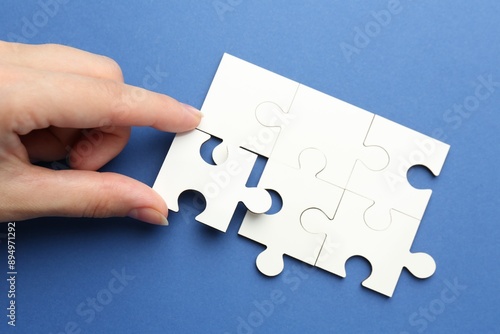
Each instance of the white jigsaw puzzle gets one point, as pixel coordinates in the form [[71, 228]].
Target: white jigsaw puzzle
[[334, 127], [282, 232], [223, 185], [387, 251], [229, 108], [389, 187], [341, 172]]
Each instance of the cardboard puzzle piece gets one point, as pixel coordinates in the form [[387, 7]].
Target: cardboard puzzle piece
[[282, 232], [389, 188], [229, 108], [336, 128], [387, 251], [222, 185], [341, 172]]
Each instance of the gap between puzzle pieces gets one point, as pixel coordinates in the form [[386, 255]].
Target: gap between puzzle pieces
[[273, 116], [282, 232], [223, 185], [322, 153]]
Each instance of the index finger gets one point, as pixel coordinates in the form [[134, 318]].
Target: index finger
[[37, 99]]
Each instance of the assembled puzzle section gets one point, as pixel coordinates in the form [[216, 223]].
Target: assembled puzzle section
[[389, 188], [332, 126], [340, 171], [387, 251], [229, 108], [282, 232]]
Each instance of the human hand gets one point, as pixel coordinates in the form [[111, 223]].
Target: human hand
[[58, 102]]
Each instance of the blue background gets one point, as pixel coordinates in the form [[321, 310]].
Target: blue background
[[189, 278]]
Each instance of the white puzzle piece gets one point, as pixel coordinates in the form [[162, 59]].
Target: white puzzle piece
[[389, 187], [387, 251], [223, 185], [229, 108], [282, 232], [336, 128], [341, 172]]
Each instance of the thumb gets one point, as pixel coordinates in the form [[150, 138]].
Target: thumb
[[37, 191]]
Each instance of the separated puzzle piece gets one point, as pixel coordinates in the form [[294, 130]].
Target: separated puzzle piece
[[222, 185], [229, 108], [336, 128], [282, 232], [387, 251], [389, 188]]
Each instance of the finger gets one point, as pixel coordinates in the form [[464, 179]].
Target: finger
[[39, 99], [59, 58], [96, 147], [88, 149], [50, 144], [42, 192]]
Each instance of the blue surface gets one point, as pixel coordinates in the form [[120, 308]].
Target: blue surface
[[416, 65]]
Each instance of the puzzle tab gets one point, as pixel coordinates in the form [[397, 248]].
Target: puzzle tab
[[223, 185], [387, 251], [340, 171], [282, 232]]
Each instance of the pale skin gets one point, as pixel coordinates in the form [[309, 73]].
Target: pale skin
[[50, 97]]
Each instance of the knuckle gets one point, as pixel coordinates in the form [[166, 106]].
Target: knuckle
[[111, 69], [120, 101], [100, 206], [113, 91]]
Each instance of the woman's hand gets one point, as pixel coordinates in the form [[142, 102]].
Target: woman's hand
[[58, 102]]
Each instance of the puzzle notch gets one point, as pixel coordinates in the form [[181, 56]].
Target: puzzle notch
[[222, 185], [334, 127], [229, 108], [389, 188], [282, 232], [318, 146], [388, 251]]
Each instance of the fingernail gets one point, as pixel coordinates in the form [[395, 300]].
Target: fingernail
[[192, 110], [148, 215]]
